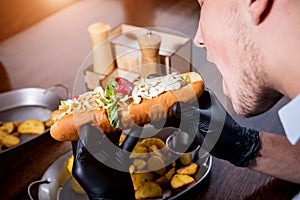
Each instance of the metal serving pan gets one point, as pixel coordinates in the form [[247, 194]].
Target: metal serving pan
[[56, 182], [27, 103]]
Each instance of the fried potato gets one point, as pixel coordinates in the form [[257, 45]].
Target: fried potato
[[159, 152], [122, 138], [48, 123], [17, 134], [139, 151], [157, 164], [17, 124], [149, 190], [31, 126], [161, 171], [139, 163], [165, 179], [8, 127], [186, 159], [188, 170], [132, 169], [173, 164], [70, 164], [153, 148], [179, 180], [8, 140], [147, 142], [139, 179], [74, 184]]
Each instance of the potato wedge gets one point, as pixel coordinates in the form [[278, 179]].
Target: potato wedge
[[155, 162], [139, 179], [186, 159], [70, 164], [17, 134], [139, 163], [48, 123], [8, 127], [173, 164], [31, 126], [165, 179], [153, 148], [132, 169], [147, 142], [149, 190], [122, 138], [74, 184], [180, 180], [17, 124], [188, 170], [139, 151], [8, 140]]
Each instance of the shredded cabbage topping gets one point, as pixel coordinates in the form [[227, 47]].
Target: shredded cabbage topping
[[149, 88], [108, 99], [92, 100]]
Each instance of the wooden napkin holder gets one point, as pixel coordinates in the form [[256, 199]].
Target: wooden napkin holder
[[175, 54]]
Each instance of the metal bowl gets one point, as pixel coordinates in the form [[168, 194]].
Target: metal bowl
[[27, 103]]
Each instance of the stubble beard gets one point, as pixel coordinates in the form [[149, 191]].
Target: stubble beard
[[254, 95]]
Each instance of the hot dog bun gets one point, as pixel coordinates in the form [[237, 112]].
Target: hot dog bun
[[161, 106], [65, 128]]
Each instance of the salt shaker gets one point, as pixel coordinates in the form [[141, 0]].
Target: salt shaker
[[102, 53]]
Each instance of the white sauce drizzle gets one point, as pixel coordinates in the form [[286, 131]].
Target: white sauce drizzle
[[143, 89]]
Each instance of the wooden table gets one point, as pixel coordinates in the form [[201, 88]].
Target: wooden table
[[52, 51]]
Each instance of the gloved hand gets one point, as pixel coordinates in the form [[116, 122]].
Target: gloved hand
[[224, 137], [101, 167]]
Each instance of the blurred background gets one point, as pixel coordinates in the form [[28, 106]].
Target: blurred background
[[17, 15]]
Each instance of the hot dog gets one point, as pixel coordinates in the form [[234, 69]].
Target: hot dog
[[123, 104]]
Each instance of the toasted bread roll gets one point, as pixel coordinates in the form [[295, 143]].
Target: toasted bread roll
[[65, 129], [159, 107]]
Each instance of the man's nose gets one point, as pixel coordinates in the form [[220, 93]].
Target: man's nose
[[198, 39]]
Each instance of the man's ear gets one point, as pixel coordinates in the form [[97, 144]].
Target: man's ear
[[257, 9]]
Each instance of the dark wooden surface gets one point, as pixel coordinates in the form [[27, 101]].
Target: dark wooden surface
[[16, 15], [51, 52]]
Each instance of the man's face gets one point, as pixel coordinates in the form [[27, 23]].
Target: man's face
[[225, 32]]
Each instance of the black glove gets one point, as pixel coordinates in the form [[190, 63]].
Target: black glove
[[101, 167], [224, 137]]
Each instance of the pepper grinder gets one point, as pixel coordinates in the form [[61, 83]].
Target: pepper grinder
[[149, 45]]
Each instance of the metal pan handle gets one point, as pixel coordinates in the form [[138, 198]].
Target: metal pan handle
[[48, 180], [58, 85]]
